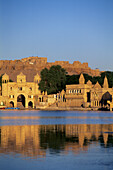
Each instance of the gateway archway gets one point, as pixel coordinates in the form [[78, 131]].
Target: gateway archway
[[105, 98], [21, 101], [11, 104], [30, 104]]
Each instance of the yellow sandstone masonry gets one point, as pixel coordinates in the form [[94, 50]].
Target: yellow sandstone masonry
[[25, 94], [30, 66]]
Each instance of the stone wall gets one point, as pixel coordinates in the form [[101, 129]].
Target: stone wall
[[32, 65]]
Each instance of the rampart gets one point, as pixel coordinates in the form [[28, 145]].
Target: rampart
[[31, 65]]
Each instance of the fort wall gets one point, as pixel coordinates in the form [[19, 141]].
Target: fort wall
[[32, 65]]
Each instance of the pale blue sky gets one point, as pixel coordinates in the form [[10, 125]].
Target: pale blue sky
[[68, 30]]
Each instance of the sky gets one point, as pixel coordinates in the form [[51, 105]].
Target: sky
[[61, 30]]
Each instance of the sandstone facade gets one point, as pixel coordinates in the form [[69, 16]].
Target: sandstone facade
[[27, 94]]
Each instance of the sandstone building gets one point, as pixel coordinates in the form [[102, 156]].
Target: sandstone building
[[77, 96], [19, 93], [89, 95]]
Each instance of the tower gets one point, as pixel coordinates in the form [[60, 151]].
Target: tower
[[21, 78], [5, 80], [81, 79], [37, 78], [37, 81], [105, 85]]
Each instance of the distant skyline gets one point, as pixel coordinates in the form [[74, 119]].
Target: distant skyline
[[61, 30]]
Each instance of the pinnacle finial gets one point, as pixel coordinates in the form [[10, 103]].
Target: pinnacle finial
[[81, 79], [105, 85]]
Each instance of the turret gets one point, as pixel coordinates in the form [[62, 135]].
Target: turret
[[97, 85], [81, 79], [89, 83], [37, 78], [5, 80], [21, 78], [105, 85]]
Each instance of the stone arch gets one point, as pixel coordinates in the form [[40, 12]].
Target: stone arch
[[21, 101], [30, 104], [11, 104], [106, 97]]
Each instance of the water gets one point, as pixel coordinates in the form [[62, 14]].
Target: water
[[47, 140]]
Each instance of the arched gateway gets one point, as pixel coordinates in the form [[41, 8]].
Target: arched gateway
[[30, 104], [106, 97], [21, 101], [11, 104]]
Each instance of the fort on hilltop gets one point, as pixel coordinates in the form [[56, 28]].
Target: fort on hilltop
[[30, 66]]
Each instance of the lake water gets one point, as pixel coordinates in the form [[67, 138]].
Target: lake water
[[56, 140]]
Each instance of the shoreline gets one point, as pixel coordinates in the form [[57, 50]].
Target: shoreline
[[57, 109]]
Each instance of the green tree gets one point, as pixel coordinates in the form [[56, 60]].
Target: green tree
[[53, 80], [74, 79], [1, 80]]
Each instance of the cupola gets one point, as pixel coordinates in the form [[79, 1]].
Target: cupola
[[37, 78], [105, 85], [81, 79], [21, 78], [5, 78]]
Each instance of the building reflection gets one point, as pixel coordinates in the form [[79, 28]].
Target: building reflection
[[34, 140]]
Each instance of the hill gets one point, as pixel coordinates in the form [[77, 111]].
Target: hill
[[31, 65]]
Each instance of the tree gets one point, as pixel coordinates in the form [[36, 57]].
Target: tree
[[74, 79], [53, 80], [1, 80]]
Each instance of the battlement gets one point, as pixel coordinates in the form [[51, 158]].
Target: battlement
[[30, 66]]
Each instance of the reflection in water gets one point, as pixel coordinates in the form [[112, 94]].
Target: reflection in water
[[35, 140]]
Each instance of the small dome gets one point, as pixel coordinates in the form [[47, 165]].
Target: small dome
[[21, 78], [5, 76], [37, 78], [97, 85], [89, 83]]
